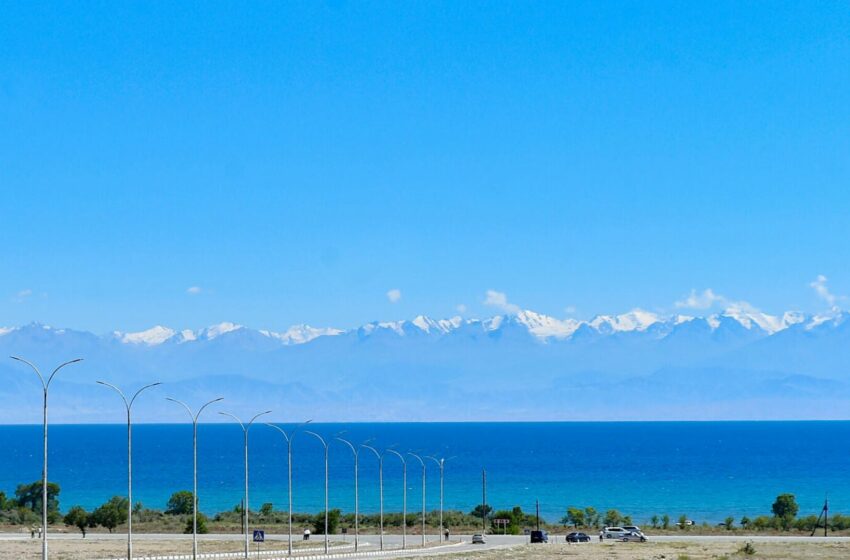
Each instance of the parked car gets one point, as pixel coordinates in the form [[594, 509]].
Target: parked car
[[578, 537], [631, 536], [614, 532], [478, 538], [539, 537], [632, 529]]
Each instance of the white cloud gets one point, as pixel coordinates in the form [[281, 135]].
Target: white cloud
[[500, 300], [394, 295], [702, 300], [820, 288], [24, 293], [461, 308], [194, 290]]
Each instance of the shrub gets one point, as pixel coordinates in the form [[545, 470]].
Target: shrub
[[747, 549]]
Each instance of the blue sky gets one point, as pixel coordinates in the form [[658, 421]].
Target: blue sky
[[297, 161]]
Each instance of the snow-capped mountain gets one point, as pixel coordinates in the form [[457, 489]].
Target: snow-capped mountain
[[632, 365], [541, 327]]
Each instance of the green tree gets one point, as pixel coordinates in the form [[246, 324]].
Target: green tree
[[202, 525], [785, 509], [28, 496], [111, 514], [745, 522], [77, 517], [654, 522], [480, 511], [665, 521], [591, 517], [612, 518], [267, 509], [180, 503], [729, 522], [575, 517], [683, 522]]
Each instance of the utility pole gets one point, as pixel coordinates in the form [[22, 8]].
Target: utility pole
[[537, 507]]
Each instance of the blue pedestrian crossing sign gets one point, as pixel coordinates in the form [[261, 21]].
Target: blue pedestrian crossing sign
[[259, 536]]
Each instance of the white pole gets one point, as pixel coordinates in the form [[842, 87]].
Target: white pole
[[194, 417], [129, 406], [44, 494]]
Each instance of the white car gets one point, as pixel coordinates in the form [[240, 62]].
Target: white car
[[478, 538], [633, 536], [614, 532]]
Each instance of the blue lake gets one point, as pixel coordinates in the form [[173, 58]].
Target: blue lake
[[706, 470]]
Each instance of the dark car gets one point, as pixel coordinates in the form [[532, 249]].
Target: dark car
[[539, 537], [578, 537]]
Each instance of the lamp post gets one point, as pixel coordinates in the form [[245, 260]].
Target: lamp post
[[129, 405], [288, 437], [194, 417], [380, 487], [423, 495], [45, 386], [356, 496], [245, 428], [441, 462], [325, 445], [404, 497]]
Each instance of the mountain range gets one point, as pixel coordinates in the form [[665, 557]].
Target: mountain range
[[738, 364]]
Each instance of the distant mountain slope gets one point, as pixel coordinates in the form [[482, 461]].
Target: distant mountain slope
[[524, 366]]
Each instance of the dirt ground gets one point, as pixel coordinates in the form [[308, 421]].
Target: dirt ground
[[92, 549], [664, 551]]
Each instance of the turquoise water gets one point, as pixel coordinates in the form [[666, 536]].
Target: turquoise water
[[706, 470]]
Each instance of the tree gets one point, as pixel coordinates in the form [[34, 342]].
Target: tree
[[267, 509], [745, 522], [77, 517], [665, 521], [480, 511], [729, 522], [202, 525], [612, 518], [683, 522], [575, 517], [180, 503], [111, 514], [785, 509], [591, 517], [28, 496], [654, 522]]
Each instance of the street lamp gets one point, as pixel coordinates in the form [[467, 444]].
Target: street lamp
[[129, 405], [356, 496], [441, 462], [423, 495], [245, 428], [404, 497], [380, 486], [45, 386], [325, 445], [194, 418], [288, 437]]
